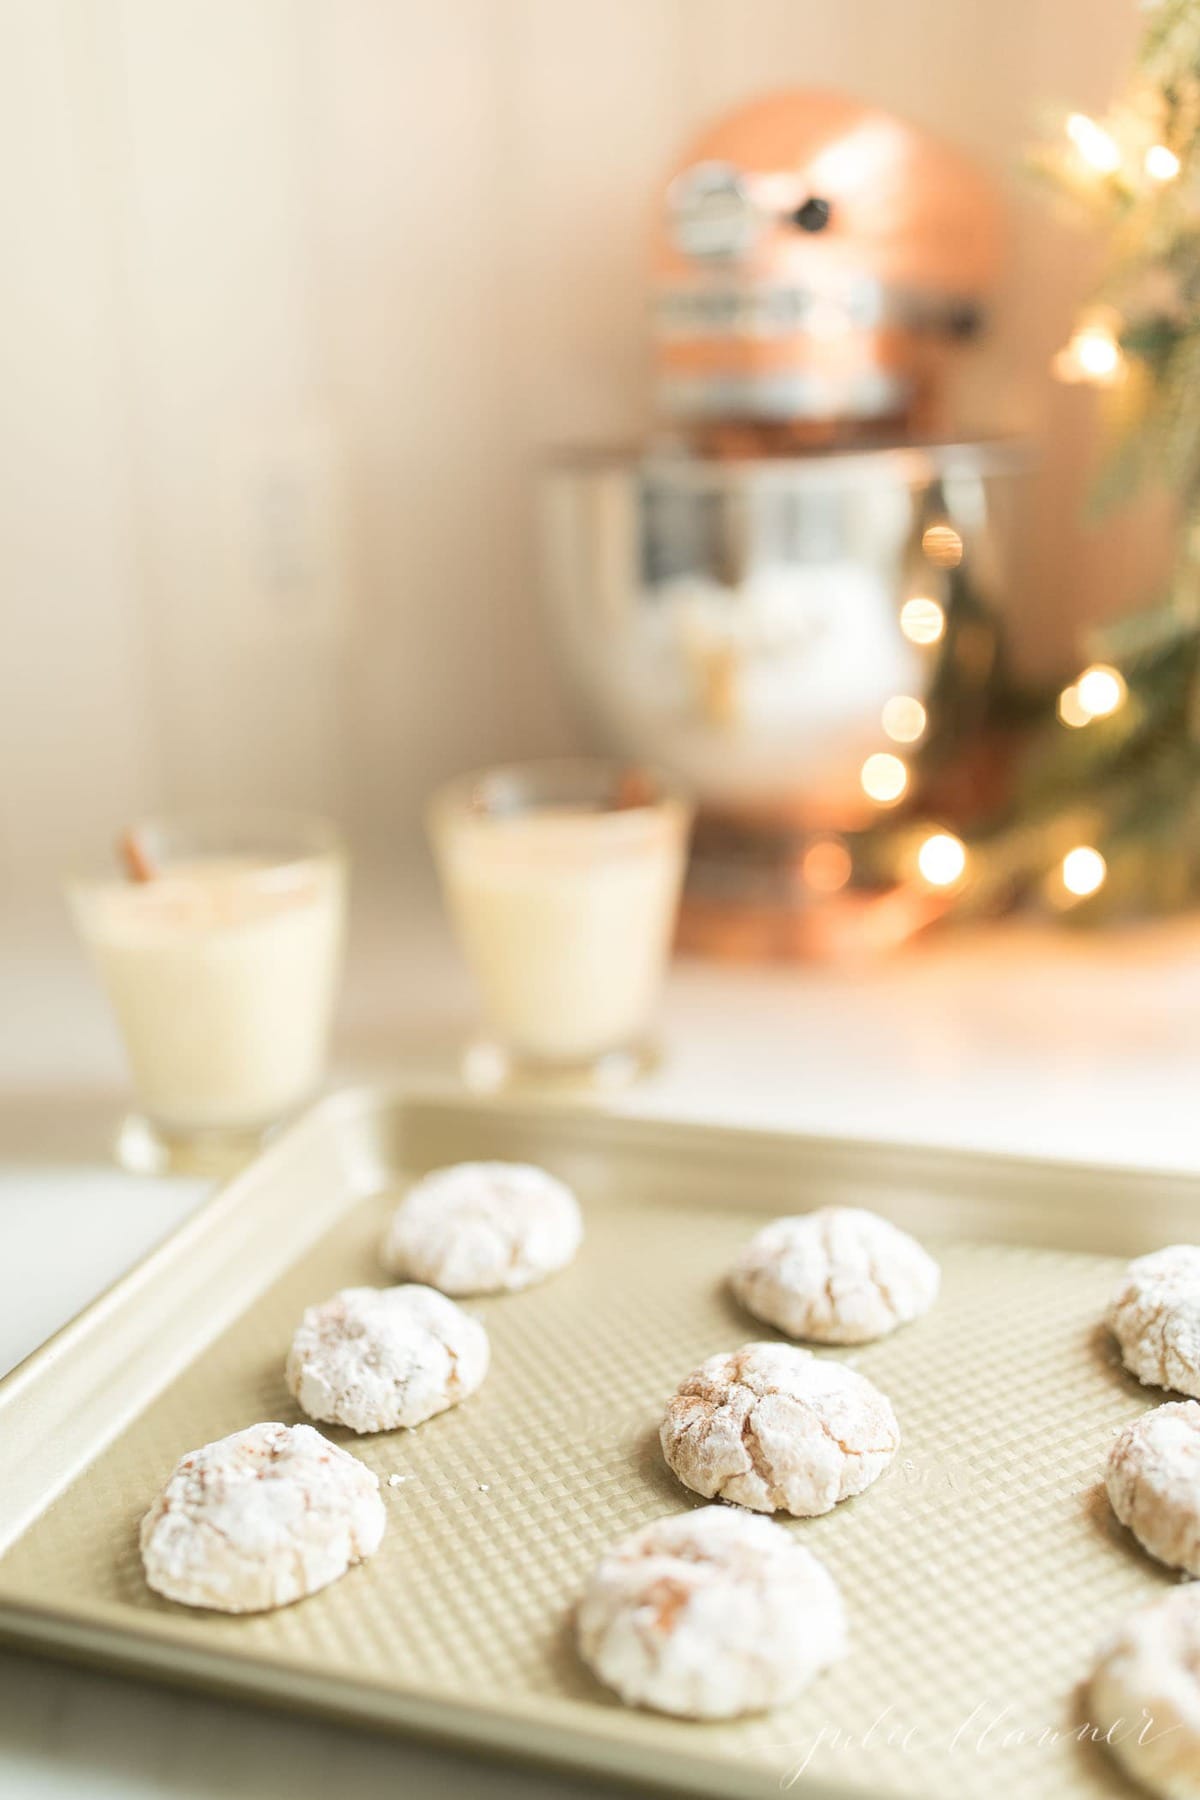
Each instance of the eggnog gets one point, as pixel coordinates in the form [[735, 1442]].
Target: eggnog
[[565, 912], [221, 971]]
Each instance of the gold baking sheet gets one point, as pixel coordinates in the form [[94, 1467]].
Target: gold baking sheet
[[978, 1574]]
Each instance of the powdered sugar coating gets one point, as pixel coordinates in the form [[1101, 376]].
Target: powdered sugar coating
[[777, 1429], [1153, 1481], [839, 1275], [260, 1519], [379, 1358], [1155, 1317], [1145, 1694], [710, 1614], [483, 1228]]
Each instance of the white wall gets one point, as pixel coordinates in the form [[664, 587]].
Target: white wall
[[394, 248]]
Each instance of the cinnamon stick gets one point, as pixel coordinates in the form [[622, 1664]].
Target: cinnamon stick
[[634, 788], [139, 865]]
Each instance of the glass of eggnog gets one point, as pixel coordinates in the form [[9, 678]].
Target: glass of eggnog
[[562, 880], [219, 945]]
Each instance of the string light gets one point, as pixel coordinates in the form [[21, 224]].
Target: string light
[[1083, 871], [1070, 711], [922, 620], [1097, 148], [904, 719], [942, 859], [1160, 163], [884, 778], [942, 545], [1101, 690], [827, 865], [1091, 354]]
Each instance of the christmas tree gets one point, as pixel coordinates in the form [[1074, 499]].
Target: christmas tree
[[1107, 813]]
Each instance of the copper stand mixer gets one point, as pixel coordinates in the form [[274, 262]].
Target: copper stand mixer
[[769, 599]]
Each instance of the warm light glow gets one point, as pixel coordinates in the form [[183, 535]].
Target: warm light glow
[[942, 859], [1098, 353], [1092, 354], [1161, 164], [922, 621], [1094, 144], [827, 865], [942, 545], [884, 777], [1083, 871], [1070, 711], [904, 719], [1100, 690]]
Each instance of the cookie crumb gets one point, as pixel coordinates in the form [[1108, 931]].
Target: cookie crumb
[[395, 1480]]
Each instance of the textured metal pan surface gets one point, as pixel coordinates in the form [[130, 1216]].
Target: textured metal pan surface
[[979, 1574]]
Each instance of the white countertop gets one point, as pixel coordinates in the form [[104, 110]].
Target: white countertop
[[1012, 1040]]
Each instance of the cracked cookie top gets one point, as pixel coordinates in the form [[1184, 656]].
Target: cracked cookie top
[[710, 1614], [483, 1228], [1153, 1482], [1155, 1317], [777, 1429], [839, 1275], [378, 1358], [260, 1519]]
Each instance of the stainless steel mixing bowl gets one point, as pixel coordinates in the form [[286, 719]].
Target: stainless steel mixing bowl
[[753, 625]]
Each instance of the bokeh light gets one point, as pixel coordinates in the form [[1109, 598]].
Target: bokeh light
[[1083, 871], [942, 545], [1070, 711], [1096, 146], [904, 719], [1100, 690], [922, 620], [942, 859], [884, 777], [1160, 163], [827, 865]]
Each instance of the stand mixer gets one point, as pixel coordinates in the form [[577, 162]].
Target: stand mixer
[[769, 597]]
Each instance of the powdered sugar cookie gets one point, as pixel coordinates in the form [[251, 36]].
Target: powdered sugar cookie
[[1155, 1317], [483, 1228], [839, 1275], [1145, 1695], [378, 1358], [1153, 1481], [777, 1429], [710, 1614], [260, 1519]]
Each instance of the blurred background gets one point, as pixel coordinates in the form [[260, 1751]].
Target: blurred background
[[296, 296]]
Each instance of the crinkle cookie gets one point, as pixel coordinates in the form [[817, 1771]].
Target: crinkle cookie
[[1145, 1695], [260, 1519], [710, 1614], [1153, 1481], [777, 1429], [1155, 1317], [483, 1228], [839, 1275], [378, 1358]]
